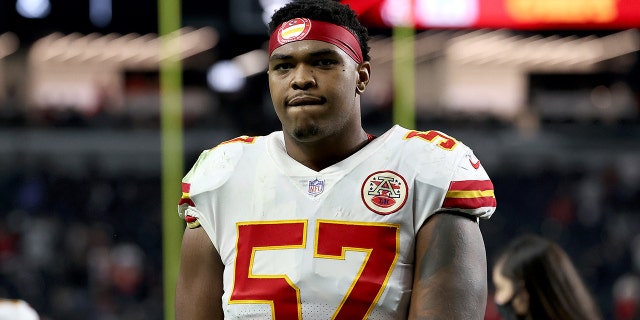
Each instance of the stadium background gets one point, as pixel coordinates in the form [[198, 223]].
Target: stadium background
[[552, 111]]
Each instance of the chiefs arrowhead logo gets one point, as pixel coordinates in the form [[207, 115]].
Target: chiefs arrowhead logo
[[384, 192]]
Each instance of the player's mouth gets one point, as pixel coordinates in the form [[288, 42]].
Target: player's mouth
[[305, 101]]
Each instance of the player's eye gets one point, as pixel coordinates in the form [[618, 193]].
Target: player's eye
[[282, 66], [325, 62]]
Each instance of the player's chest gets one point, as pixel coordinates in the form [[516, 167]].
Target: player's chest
[[368, 193]]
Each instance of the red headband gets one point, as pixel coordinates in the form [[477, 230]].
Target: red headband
[[304, 29]]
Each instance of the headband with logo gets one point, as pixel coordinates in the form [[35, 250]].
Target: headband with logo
[[304, 29]]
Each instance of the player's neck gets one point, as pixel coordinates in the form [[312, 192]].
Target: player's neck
[[328, 151]]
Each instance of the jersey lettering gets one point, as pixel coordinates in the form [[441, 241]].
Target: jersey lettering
[[277, 290], [442, 140], [243, 139], [380, 242]]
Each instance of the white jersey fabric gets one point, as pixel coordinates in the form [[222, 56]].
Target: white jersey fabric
[[15, 309], [331, 244]]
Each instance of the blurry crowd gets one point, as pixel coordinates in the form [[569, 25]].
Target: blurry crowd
[[88, 246], [82, 247]]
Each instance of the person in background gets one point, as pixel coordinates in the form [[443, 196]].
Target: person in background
[[322, 219], [15, 309], [534, 279]]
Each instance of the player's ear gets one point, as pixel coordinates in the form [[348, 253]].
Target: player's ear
[[364, 73]]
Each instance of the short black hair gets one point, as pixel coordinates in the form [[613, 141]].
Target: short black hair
[[324, 10]]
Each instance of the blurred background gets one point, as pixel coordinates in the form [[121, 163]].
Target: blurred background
[[547, 93]]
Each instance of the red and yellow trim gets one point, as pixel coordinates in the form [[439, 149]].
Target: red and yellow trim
[[470, 194], [185, 200]]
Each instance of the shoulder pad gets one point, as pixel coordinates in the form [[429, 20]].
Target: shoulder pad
[[214, 166]]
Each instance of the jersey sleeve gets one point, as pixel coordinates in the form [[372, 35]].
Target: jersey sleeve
[[449, 177], [186, 207], [470, 190], [210, 171]]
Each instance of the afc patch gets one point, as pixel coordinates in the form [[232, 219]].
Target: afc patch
[[384, 192]]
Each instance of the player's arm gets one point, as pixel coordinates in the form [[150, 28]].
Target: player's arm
[[199, 286], [450, 277]]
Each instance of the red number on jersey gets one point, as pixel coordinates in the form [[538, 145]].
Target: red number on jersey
[[443, 141], [380, 242]]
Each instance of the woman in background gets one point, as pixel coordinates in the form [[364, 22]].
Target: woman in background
[[535, 279]]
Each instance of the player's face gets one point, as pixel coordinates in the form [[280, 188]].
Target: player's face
[[313, 86]]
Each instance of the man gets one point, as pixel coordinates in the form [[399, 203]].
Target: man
[[322, 220]]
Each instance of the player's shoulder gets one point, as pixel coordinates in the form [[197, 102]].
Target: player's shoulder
[[215, 165], [428, 142], [227, 152], [445, 162], [432, 151]]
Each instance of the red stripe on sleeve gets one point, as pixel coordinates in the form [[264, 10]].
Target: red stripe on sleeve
[[469, 203], [481, 185]]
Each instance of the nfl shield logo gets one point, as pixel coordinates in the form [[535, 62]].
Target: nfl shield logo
[[316, 187]]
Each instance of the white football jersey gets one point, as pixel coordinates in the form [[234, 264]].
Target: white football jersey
[[331, 244]]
